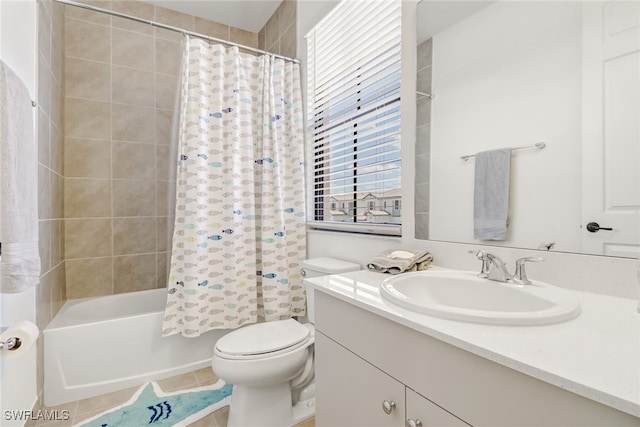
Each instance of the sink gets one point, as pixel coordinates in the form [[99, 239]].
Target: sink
[[462, 295]]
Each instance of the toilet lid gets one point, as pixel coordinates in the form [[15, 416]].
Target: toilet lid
[[262, 338]]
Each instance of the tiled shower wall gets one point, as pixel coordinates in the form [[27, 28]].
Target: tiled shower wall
[[279, 33], [50, 127], [423, 139], [121, 82]]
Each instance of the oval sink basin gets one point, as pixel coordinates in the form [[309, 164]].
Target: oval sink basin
[[461, 295]]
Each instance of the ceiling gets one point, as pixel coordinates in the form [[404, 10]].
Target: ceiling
[[249, 15]]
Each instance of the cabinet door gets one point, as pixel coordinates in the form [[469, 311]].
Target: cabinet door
[[430, 414], [350, 392]]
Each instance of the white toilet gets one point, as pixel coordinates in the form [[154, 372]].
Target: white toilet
[[271, 364]]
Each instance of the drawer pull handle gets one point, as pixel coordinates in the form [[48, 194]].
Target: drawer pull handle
[[413, 423], [388, 407]]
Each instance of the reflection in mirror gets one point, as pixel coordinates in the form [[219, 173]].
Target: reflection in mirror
[[507, 74]]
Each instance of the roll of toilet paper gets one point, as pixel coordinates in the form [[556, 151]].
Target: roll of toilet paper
[[26, 332]]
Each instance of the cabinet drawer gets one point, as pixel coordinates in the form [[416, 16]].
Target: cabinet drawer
[[350, 391]]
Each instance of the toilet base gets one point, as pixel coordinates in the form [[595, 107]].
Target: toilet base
[[268, 407]]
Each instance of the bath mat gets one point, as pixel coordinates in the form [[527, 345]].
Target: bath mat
[[150, 406]]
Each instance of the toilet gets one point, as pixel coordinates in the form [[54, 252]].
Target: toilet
[[270, 364]]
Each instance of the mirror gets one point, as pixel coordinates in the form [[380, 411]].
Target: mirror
[[506, 74]]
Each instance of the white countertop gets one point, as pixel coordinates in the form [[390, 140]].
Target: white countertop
[[596, 355]]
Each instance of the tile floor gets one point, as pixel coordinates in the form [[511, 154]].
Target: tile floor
[[86, 408]]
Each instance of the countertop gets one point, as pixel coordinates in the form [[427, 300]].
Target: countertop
[[596, 355]]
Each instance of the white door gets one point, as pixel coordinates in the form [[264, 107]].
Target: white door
[[611, 128]]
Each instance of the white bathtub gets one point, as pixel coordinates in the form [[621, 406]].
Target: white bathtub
[[103, 344]]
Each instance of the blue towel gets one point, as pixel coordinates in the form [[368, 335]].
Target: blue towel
[[491, 194]]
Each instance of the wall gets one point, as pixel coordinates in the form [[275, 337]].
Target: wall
[[279, 33], [494, 91], [423, 138], [121, 83], [52, 290], [605, 275], [18, 379]]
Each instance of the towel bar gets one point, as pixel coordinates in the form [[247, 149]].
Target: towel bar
[[538, 145]]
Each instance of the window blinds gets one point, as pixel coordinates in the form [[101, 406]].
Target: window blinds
[[354, 117]]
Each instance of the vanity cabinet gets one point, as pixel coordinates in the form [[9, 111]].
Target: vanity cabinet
[[365, 396], [363, 359]]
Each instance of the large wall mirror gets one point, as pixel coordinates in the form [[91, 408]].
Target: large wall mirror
[[519, 73]]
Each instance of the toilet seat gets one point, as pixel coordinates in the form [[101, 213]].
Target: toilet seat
[[263, 340]]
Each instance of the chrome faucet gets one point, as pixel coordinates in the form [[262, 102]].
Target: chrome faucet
[[493, 268]]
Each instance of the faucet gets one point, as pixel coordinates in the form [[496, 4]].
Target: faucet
[[493, 268]]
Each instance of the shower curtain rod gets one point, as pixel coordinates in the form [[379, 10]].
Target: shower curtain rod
[[170, 28]]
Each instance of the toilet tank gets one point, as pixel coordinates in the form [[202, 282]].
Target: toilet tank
[[316, 267]]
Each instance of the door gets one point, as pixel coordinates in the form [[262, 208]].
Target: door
[[611, 128], [351, 392]]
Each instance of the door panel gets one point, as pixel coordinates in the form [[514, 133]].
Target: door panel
[[611, 127]]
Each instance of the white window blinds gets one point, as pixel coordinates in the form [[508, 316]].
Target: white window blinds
[[354, 117]]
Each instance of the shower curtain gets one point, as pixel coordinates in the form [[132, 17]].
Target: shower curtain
[[239, 234]]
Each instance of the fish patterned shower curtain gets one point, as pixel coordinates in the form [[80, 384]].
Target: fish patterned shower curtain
[[239, 235]]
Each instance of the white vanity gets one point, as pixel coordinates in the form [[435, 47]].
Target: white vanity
[[378, 364]]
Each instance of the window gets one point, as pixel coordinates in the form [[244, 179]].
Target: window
[[353, 115]]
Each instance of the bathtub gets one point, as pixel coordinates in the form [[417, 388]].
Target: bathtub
[[103, 344]]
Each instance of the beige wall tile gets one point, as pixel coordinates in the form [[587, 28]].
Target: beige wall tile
[[162, 274], [87, 198], [162, 198], [86, 238], [44, 85], [210, 28], [168, 57], [57, 237], [425, 50], [174, 19], [44, 32], [134, 273], [88, 79], [166, 91], [137, 9], [89, 277], [43, 302], [162, 233], [132, 50], [274, 48], [57, 43], [57, 113], [134, 235], [87, 119], [87, 158], [261, 39], [132, 123], [44, 245], [44, 196], [164, 126], [288, 44], [58, 288], [134, 197], [133, 160], [86, 40], [57, 196], [245, 38], [286, 14], [130, 86], [88, 15], [162, 162], [44, 155], [57, 147], [272, 30]]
